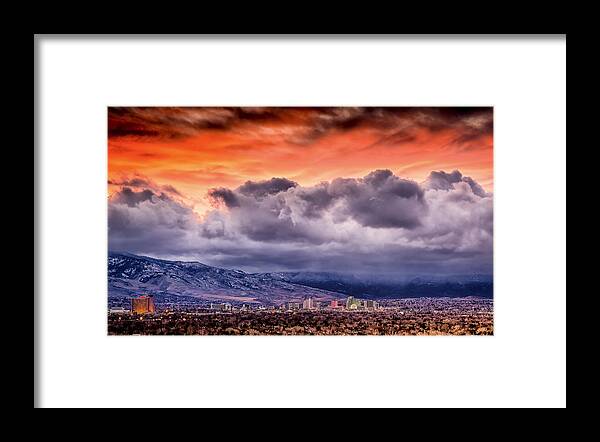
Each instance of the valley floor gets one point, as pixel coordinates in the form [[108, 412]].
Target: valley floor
[[388, 321]]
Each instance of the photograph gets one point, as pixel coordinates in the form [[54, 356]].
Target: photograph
[[316, 220]]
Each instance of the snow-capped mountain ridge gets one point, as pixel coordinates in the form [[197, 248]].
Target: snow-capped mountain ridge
[[131, 274]]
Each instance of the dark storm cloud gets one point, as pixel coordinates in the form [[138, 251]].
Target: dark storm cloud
[[278, 209], [137, 189], [388, 260], [164, 122], [380, 199], [266, 217], [226, 196], [399, 124], [275, 224], [179, 122], [475, 186], [387, 201], [131, 197], [144, 220], [267, 187], [315, 200], [440, 180], [305, 125], [380, 223], [118, 128]]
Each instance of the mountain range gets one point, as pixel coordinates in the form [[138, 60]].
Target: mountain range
[[130, 274]]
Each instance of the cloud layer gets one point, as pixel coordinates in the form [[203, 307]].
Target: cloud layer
[[302, 125], [380, 223], [194, 149]]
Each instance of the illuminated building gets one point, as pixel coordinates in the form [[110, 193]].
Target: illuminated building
[[225, 307], [354, 304], [334, 304], [349, 302], [308, 304], [143, 304], [371, 305], [293, 306]]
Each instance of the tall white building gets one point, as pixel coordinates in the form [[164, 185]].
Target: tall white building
[[308, 304]]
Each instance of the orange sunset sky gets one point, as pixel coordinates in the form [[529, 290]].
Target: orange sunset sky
[[184, 152]]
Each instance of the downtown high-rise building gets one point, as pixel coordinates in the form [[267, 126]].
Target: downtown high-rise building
[[353, 303], [349, 302], [143, 304], [308, 304]]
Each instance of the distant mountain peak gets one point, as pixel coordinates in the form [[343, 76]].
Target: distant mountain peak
[[130, 274]]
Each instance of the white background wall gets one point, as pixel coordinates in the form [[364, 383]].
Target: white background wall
[[524, 364]]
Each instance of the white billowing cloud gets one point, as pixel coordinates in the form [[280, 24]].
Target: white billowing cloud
[[379, 223]]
